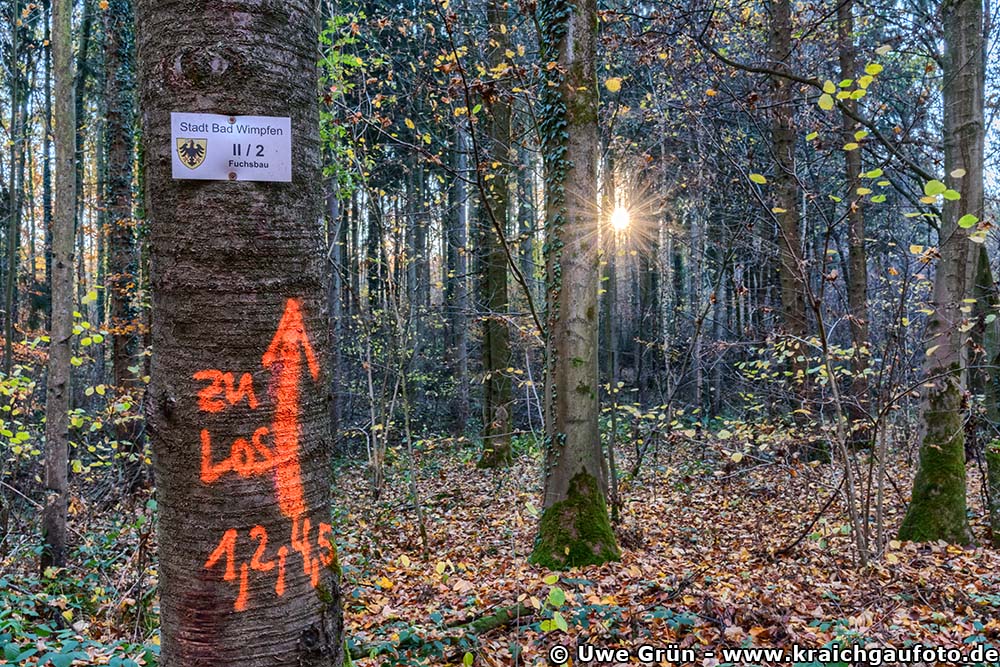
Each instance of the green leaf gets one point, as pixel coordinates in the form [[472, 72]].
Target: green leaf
[[934, 187], [758, 179], [967, 220], [467, 659], [811, 136], [951, 195], [851, 146], [829, 87], [878, 199], [557, 597], [825, 102], [873, 68], [560, 622], [874, 173]]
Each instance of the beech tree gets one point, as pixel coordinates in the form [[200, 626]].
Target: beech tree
[[57, 390], [238, 409], [937, 509], [574, 528]]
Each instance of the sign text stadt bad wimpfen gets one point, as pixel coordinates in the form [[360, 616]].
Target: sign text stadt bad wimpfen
[[215, 147]]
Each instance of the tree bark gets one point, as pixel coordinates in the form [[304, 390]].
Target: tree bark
[[57, 390], [119, 72], [937, 510], [574, 528], [238, 402], [857, 275], [456, 282], [493, 292], [786, 187]]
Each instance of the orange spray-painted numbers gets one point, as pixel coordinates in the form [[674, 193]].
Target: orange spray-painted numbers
[[272, 450], [227, 548], [259, 534]]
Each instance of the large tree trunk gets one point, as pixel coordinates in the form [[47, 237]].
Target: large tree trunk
[[493, 299], [57, 390], [119, 72], [239, 408], [786, 187], [938, 509], [574, 528]]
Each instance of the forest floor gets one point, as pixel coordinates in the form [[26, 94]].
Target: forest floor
[[697, 566], [699, 536]]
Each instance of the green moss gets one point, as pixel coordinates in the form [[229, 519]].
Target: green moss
[[937, 510], [576, 531]]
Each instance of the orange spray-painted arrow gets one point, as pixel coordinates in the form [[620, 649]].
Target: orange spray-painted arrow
[[284, 358]]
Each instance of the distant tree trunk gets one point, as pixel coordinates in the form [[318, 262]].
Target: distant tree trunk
[[336, 226], [985, 381], [16, 174], [456, 283], [493, 297], [238, 404], [786, 187], [57, 390], [47, 162], [574, 528], [119, 72], [937, 510], [857, 275]]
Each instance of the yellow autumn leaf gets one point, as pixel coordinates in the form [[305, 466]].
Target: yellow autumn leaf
[[409, 123], [613, 84]]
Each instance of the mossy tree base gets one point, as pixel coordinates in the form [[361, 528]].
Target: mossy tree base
[[937, 510], [576, 531], [497, 453]]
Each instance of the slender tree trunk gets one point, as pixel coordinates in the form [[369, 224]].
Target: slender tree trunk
[[857, 275], [119, 73], [47, 162], [574, 528], [238, 403], [937, 510], [493, 291], [786, 188], [57, 391], [17, 140], [456, 283]]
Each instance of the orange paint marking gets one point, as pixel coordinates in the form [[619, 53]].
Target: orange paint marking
[[227, 548], [243, 457], [260, 534], [301, 544], [284, 358], [279, 586], [210, 398], [241, 599], [255, 457]]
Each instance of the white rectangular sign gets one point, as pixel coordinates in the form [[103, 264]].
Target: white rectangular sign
[[213, 147]]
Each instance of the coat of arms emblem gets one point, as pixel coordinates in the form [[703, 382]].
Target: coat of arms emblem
[[192, 152]]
